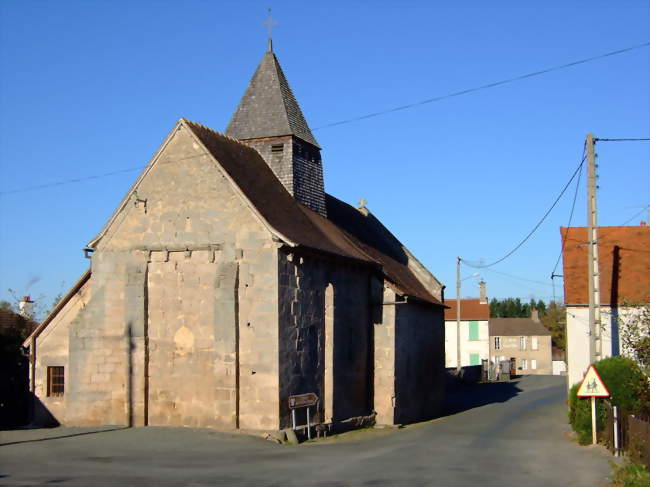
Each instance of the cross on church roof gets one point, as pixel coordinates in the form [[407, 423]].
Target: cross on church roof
[[269, 23]]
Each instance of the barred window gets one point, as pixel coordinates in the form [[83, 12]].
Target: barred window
[[55, 381]]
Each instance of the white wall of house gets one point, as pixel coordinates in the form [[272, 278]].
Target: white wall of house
[[577, 327], [474, 342], [559, 367]]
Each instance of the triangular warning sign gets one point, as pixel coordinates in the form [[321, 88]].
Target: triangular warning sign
[[592, 385]]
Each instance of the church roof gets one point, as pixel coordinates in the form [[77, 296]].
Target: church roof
[[369, 234], [346, 232], [270, 199], [268, 108]]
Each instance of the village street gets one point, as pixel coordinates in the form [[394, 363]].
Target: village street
[[509, 434]]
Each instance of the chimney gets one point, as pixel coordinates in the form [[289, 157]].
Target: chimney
[[26, 307], [483, 293], [534, 315]]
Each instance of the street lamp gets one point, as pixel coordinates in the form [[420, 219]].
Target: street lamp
[[458, 281]]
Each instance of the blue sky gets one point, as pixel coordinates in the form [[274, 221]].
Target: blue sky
[[93, 87]]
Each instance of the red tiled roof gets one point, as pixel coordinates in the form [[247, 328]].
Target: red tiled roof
[[470, 309], [624, 265]]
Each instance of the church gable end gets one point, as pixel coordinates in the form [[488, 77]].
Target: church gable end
[[182, 201]]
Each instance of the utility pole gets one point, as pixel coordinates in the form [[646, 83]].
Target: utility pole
[[458, 367], [595, 329]]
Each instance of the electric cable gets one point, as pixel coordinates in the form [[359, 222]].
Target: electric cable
[[530, 234], [635, 215], [484, 87], [573, 206], [376, 114], [511, 276], [622, 140]]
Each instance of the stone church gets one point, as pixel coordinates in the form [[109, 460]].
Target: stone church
[[227, 279]]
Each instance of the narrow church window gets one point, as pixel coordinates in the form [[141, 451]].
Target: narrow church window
[[55, 381], [277, 148]]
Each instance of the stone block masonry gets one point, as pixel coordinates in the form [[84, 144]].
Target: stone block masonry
[[325, 335]]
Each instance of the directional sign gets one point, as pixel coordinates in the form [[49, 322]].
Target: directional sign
[[303, 400], [592, 385]]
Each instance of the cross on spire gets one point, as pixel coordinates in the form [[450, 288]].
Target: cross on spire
[[269, 23]]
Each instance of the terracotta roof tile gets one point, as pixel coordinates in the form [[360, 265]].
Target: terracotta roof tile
[[624, 264], [470, 309]]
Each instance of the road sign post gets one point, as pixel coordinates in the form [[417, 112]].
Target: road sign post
[[302, 401], [593, 386]]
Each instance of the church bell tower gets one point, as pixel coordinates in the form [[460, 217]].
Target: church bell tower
[[269, 119]]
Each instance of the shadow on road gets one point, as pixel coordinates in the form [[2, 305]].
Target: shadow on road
[[469, 396], [47, 438]]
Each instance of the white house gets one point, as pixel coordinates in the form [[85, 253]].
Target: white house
[[624, 268], [474, 331]]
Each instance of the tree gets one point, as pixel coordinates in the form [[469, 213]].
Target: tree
[[514, 308], [633, 322], [554, 319]]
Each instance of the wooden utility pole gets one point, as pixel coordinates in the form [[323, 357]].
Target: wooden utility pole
[[595, 328], [458, 366]]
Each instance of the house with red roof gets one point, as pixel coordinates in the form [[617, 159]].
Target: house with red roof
[[474, 331], [624, 275]]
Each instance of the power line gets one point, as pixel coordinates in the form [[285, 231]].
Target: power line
[[518, 278], [573, 206], [530, 234], [69, 181], [622, 140], [635, 215], [97, 176], [376, 114], [484, 87]]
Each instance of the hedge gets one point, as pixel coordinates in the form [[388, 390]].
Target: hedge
[[628, 387]]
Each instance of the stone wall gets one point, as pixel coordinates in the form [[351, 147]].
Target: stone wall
[[183, 312], [384, 377], [419, 362], [52, 351], [318, 294]]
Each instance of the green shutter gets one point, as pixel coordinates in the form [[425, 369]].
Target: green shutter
[[474, 359], [473, 330]]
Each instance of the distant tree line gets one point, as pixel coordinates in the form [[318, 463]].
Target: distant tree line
[[514, 308], [552, 316]]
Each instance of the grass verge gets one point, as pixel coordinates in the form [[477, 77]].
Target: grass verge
[[630, 474]]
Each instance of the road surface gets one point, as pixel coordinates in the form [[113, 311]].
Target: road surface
[[508, 434]]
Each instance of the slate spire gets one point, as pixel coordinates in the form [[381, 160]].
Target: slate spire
[[269, 119], [268, 108]]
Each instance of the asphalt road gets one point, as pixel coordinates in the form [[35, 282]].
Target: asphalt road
[[510, 434]]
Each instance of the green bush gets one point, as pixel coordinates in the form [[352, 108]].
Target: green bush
[[628, 388]]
